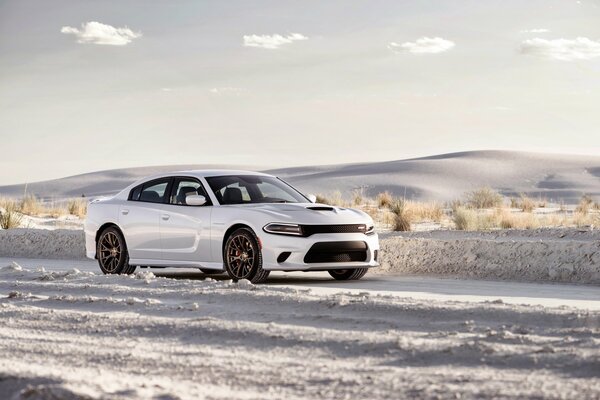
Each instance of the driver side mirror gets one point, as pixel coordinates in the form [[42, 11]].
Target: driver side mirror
[[312, 198], [195, 200]]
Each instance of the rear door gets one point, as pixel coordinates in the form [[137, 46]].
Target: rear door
[[185, 229], [139, 218]]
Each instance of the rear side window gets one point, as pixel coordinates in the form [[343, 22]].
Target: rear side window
[[151, 192]]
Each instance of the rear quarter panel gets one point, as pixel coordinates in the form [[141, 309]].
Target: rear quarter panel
[[100, 212]]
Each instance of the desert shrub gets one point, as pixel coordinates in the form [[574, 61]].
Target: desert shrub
[[357, 197], [322, 199], [336, 199], [9, 215], [465, 219], [424, 211], [401, 220], [483, 198], [77, 207], [526, 204], [384, 200], [30, 205], [507, 220], [455, 205], [514, 203], [542, 203], [585, 204], [468, 219], [582, 219]]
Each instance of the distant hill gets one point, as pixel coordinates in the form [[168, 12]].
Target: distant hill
[[444, 177]]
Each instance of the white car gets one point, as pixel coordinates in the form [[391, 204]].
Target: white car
[[245, 223]]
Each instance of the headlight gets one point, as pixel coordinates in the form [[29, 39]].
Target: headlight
[[370, 230], [283, 229]]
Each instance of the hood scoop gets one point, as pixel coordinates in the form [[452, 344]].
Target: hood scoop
[[320, 208]]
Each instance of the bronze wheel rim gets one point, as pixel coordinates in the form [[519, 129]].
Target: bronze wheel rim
[[241, 253], [111, 252]]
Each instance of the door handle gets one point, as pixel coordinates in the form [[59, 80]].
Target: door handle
[[125, 212], [166, 217]]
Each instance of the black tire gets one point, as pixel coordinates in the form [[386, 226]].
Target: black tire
[[242, 257], [112, 253], [348, 274], [211, 271]]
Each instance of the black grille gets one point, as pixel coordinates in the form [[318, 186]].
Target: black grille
[[309, 230], [334, 252]]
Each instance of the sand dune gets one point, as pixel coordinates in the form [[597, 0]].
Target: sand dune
[[555, 177]]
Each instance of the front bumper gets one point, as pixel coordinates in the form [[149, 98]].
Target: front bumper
[[298, 247]]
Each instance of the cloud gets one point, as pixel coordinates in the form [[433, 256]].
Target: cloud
[[98, 33], [226, 91], [580, 48], [424, 45], [272, 41], [536, 30]]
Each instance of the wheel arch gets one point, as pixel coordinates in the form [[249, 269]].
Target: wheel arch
[[108, 225], [235, 227]]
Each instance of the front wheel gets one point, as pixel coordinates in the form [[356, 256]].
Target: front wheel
[[348, 274], [112, 253], [243, 258]]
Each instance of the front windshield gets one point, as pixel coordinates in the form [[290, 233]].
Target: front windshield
[[250, 189]]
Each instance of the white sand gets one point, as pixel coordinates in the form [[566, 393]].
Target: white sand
[[75, 334]]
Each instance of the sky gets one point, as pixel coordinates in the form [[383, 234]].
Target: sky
[[96, 85]]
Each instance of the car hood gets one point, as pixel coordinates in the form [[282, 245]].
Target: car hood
[[310, 213]]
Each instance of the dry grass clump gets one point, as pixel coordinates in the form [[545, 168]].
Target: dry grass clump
[[401, 220], [332, 199], [527, 204], [357, 197], [77, 207], [585, 204], [468, 219], [507, 220], [485, 197], [30, 205], [384, 200], [424, 211], [9, 215], [322, 199]]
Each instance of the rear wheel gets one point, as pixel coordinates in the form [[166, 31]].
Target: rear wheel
[[348, 274], [111, 250], [243, 258]]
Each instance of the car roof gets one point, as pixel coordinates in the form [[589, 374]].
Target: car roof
[[198, 173], [205, 173]]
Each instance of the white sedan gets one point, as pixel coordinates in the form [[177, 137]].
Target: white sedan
[[245, 223]]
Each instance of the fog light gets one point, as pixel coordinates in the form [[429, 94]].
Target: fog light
[[283, 256]]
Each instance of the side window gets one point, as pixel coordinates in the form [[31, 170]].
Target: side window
[[154, 192], [186, 187]]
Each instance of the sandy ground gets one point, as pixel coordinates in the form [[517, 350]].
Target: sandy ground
[[410, 329], [72, 333]]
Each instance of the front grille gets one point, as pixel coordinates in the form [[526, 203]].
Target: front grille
[[309, 230], [336, 252]]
